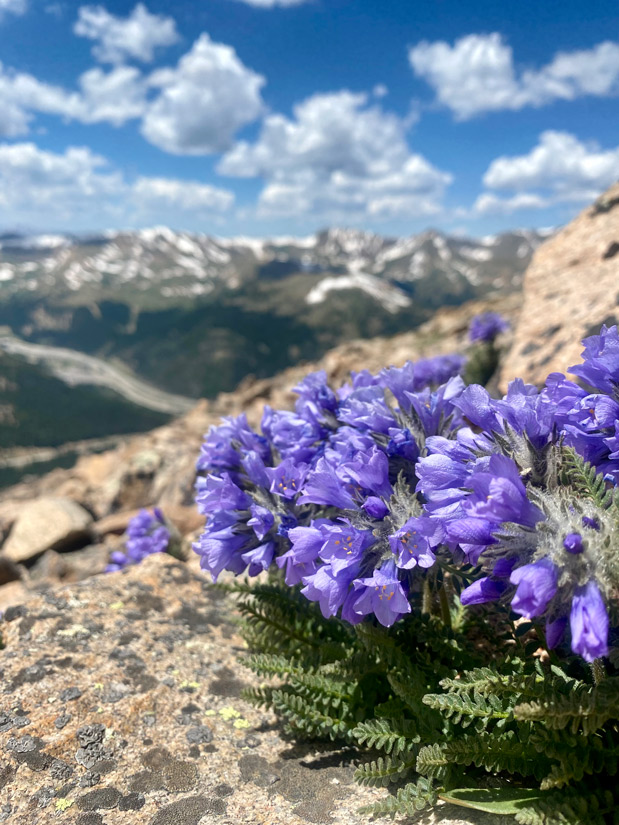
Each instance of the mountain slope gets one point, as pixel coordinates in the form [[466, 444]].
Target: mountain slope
[[195, 315]]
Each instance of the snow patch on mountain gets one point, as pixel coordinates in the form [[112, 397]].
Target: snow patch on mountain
[[390, 297]]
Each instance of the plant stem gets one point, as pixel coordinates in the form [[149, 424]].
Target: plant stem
[[598, 670], [426, 603]]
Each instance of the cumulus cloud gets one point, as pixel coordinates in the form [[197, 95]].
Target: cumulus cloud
[[188, 196], [560, 169], [78, 187], [33, 178], [490, 204], [477, 74], [195, 108], [123, 38], [338, 158], [203, 102], [113, 97]]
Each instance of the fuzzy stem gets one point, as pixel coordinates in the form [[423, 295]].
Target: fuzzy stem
[[598, 670]]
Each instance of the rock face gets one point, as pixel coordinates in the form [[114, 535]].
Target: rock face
[[119, 705], [45, 524], [570, 289]]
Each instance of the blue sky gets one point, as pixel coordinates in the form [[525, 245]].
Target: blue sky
[[270, 117]]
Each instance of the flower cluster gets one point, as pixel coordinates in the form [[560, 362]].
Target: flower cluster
[[359, 493], [324, 491], [487, 326], [147, 533], [497, 495]]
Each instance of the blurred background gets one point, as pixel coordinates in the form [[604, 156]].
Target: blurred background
[[197, 196]]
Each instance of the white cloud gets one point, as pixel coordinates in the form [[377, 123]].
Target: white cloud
[[39, 181], [121, 38], [490, 204], [13, 7], [79, 187], [113, 97], [195, 108], [477, 74], [203, 102], [338, 159], [560, 169], [269, 4], [188, 196]]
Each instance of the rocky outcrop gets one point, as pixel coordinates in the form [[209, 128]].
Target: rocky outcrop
[[120, 704], [159, 467], [570, 289], [45, 524]]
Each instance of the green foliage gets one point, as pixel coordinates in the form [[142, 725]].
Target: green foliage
[[585, 479], [585, 708], [483, 360], [408, 801], [437, 715]]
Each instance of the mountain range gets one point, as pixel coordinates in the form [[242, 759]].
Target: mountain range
[[194, 315]]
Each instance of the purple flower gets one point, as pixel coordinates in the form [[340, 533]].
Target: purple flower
[[434, 407], [437, 370], [483, 590], [371, 473], [527, 411], [316, 398], [499, 495], [259, 558], [147, 533], [300, 560], [343, 543], [475, 403], [536, 586], [401, 381], [382, 595], [329, 587], [375, 507], [292, 436], [472, 534], [366, 409], [262, 520], [573, 543], [554, 632], [215, 493], [601, 360], [255, 469], [589, 623], [414, 541], [220, 547], [323, 486], [402, 443], [220, 450], [287, 478], [487, 326]]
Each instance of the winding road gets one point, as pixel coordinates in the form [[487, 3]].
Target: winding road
[[75, 368]]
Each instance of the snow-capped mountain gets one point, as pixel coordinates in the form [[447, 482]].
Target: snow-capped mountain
[[155, 266], [195, 314]]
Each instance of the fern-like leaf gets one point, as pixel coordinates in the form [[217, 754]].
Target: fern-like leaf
[[384, 771], [408, 801]]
